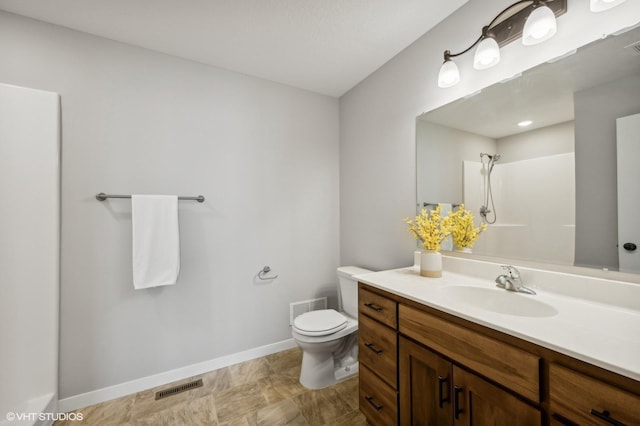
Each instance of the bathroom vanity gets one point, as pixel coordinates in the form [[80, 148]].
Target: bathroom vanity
[[458, 350]]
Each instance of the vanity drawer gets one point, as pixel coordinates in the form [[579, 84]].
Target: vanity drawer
[[378, 348], [377, 307], [378, 401], [574, 395], [509, 366]]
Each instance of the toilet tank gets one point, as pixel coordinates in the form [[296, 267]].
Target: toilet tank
[[349, 288]]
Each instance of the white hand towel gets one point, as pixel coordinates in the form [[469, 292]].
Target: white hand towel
[[156, 240]]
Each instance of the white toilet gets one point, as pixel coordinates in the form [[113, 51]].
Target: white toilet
[[329, 339]]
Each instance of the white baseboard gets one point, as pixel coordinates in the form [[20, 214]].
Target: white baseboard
[[138, 385]]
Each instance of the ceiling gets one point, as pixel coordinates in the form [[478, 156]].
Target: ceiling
[[325, 46]]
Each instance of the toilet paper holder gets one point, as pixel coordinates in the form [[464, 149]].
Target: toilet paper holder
[[264, 272]]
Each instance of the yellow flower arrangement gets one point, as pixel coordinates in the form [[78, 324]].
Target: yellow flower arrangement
[[429, 228], [462, 228]]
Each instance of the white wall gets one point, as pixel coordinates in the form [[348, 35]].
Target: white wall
[[377, 119], [440, 152], [29, 249], [542, 142], [264, 155]]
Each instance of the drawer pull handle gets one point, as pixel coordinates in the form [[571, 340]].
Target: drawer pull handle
[[373, 404], [373, 306], [457, 390], [605, 415], [563, 420], [373, 348], [441, 398]]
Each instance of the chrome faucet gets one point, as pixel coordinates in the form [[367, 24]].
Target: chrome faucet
[[511, 281]]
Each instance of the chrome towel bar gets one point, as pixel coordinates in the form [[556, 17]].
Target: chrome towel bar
[[102, 196], [436, 205]]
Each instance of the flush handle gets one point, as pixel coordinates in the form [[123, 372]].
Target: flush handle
[[629, 246]]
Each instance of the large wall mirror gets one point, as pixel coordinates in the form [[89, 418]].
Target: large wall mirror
[[549, 186]]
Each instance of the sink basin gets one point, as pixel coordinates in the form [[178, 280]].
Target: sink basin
[[500, 301]]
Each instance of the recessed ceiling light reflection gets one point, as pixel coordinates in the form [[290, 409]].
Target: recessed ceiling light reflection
[[525, 123]]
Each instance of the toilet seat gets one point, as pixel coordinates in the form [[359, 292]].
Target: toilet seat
[[319, 323]]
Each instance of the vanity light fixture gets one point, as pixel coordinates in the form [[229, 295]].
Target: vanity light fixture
[[487, 53], [534, 20], [540, 26], [601, 5], [449, 74]]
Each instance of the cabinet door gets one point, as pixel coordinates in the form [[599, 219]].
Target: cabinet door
[[425, 386], [477, 402]]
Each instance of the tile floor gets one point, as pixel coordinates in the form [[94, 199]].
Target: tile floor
[[264, 391]]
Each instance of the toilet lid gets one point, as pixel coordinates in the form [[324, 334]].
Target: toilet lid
[[320, 323]]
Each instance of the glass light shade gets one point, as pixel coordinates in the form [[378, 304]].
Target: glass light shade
[[487, 54], [540, 26], [600, 5], [449, 74]]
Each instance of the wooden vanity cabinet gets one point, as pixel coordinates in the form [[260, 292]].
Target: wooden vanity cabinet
[[421, 366]]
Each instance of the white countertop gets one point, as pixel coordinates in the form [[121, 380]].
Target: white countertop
[[603, 334]]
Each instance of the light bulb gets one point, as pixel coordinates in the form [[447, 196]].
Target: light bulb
[[601, 5], [540, 26], [487, 54], [449, 74]]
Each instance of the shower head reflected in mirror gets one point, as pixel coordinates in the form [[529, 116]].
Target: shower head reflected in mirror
[[494, 157]]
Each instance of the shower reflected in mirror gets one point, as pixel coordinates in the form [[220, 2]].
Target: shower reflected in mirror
[[487, 168]]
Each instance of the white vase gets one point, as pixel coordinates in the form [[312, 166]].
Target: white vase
[[431, 264]]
